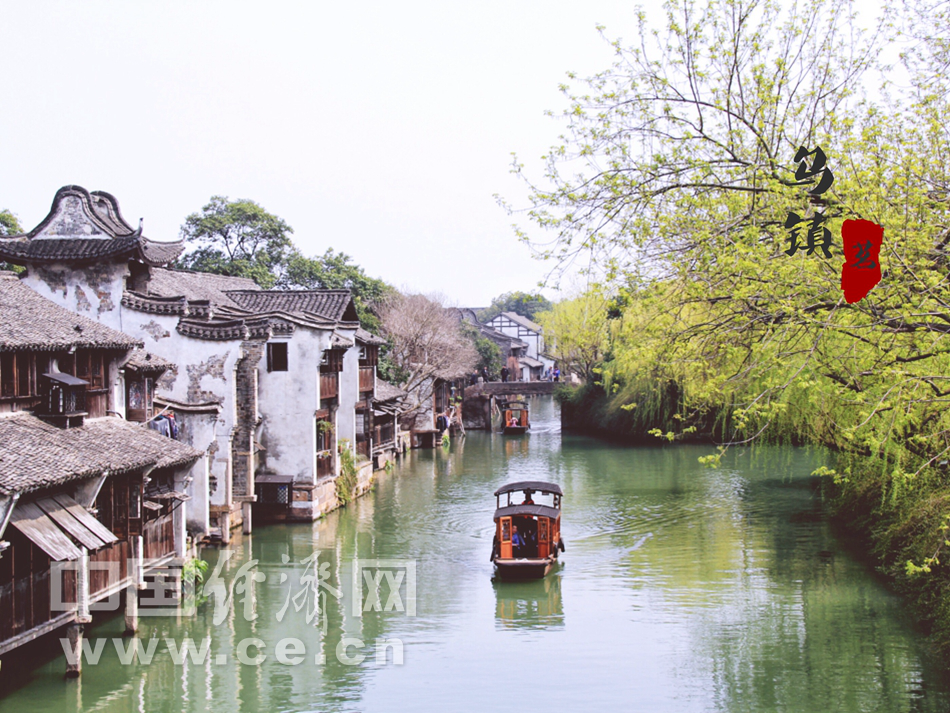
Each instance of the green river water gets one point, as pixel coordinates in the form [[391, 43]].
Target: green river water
[[683, 588]]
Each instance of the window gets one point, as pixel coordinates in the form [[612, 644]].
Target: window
[[277, 356], [7, 374]]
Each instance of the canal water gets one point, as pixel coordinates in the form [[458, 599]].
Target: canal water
[[683, 588]]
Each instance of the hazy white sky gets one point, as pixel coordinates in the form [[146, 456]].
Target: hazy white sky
[[379, 129]]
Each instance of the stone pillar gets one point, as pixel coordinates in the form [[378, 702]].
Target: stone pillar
[[83, 615], [246, 514], [224, 522], [74, 658], [131, 609], [181, 533]]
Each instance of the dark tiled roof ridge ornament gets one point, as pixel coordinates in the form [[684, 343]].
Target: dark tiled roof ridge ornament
[[82, 228]]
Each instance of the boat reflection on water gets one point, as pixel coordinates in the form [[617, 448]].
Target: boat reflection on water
[[516, 447], [534, 604]]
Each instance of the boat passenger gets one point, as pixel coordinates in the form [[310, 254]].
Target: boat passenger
[[514, 421], [517, 542]]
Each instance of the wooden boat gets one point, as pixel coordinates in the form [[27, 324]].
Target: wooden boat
[[514, 417], [527, 532]]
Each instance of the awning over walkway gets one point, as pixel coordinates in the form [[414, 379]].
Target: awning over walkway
[[55, 524]]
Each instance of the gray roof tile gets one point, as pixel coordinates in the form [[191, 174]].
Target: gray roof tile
[[35, 454], [32, 322]]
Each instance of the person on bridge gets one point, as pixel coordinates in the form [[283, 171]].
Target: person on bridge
[[504, 374]]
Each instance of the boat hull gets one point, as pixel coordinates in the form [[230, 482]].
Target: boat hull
[[509, 570], [514, 430]]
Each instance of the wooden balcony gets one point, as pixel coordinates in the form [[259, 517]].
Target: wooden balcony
[[367, 379], [158, 537], [329, 385], [385, 436]]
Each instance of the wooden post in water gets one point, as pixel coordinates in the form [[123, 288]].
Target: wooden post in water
[[74, 656], [131, 609]]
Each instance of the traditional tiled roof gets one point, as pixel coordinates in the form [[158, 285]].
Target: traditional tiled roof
[[220, 307], [83, 228], [386, 391], [505, 341], [213, 406], [340, 341], [35, 454], [32, 322], [332, 305], [523, 321], [195, 286], [146, 362], [368, 338]]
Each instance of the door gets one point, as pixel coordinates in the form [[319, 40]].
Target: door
[[505, 537], [544, 547]]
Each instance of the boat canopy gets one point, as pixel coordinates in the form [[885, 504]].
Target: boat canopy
[[535, 486], [532, 510]]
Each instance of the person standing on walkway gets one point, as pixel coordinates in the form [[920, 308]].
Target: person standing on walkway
[[504, 374]]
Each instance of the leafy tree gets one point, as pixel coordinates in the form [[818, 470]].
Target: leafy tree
[[334, 270], [674, 180], [489, 353], [9, 225], [577, 334], [237, 238], [523, 303]]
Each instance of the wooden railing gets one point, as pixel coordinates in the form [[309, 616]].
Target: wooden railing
[[385, 435], [158, 537], [329, 385], [114, 563], [367, 379]]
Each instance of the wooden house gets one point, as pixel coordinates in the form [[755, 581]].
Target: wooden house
[[80, 488], [266, 382]]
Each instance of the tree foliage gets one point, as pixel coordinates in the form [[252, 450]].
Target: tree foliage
[[673, 183], [242, 239], [489, 353], [9, 225], [335, 271], [523, 303], [237, 238], [577, 333]]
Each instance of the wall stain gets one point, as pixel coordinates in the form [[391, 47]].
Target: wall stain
[[213, 367], [156, 330], [54, 279], [167, 380], [82, 302]]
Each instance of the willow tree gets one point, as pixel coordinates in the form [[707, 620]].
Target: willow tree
[[674, 181]]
